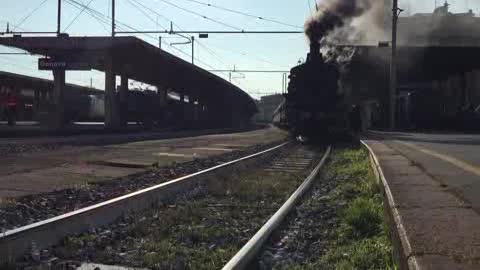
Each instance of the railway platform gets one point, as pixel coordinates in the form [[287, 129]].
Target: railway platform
[[431, 183]]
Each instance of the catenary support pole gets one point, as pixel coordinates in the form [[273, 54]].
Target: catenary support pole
[[393, 67]]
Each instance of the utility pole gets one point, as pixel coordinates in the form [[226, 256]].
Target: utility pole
[[160, 42], [393, 65], [59, 17], [113, 18]]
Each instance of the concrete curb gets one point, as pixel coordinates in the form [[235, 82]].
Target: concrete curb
[[401, 245]]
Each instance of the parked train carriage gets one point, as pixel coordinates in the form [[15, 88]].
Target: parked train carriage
[[314, 106], [145, 107]]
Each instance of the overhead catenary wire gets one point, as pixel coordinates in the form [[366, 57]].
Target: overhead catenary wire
[[152, 10], [121, 25], [77, 16], [16, 26], [144, 13], [29, 15], [244, 14], [102, 21], [178, 26], [201, 15], [256, 58], [208, 50]]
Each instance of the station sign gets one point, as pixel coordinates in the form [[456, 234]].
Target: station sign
[[53, 64]]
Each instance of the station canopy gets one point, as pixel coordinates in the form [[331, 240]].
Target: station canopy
[[140, 61]]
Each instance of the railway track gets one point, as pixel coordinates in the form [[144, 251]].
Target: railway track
[[16, 243], [244, 257]]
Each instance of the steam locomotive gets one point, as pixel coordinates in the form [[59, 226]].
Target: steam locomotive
[[314, 107]]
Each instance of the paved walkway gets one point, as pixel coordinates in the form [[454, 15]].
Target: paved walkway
[[434, 182], [71, 166]]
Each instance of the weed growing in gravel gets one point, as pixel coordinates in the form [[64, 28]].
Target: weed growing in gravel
[[362, 237], [362, 219], [7, 202]]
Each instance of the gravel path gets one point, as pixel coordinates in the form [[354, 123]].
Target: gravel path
[[24, 148], [34, 145]]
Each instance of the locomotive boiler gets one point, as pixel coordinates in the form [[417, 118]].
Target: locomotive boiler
[[315, 108]]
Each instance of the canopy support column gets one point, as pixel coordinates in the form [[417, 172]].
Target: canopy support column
[[57, 114], [112, 119], [124, 101]]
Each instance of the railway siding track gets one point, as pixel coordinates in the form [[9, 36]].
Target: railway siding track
[[250, 250], [198, 230], [15, 243]]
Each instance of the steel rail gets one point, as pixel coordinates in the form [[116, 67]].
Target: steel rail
[[248, 252], [15, 243]]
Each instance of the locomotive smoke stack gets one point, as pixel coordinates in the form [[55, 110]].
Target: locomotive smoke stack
[[314, 52]]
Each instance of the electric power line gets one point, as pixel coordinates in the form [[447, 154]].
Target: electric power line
[[244, 13], [198, 42], [152, 10], [103, 22], [143, 12], [202, 16], [16, 26], [106, 20], [208, 50], [76, 17], [29, 14]]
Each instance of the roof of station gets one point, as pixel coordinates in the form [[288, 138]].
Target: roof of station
[[139, 61]]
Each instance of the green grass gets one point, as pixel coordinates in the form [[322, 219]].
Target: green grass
[[362, 219], [363, 254], [362, 238], [363, 241]]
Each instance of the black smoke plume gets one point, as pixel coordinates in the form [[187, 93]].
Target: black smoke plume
[[333, 14]]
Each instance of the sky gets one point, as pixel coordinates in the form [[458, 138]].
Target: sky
[[260, 52]]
